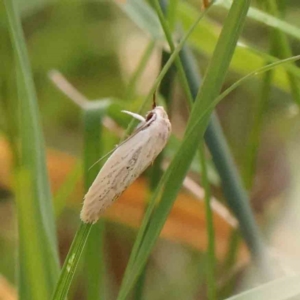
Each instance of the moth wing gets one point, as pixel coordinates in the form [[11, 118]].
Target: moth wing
[[136, 131], [119, 171]]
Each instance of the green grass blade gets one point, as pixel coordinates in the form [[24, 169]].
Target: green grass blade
[[160, 77], [176, 172], [251, 75], [140, 285], [232, 185], [243, 80], [186, 66], [151, 205], [71, 262], [169, 38], [239, 82], [94, 254], [38, 257], [156, 170], [205, 37], [245, 58]]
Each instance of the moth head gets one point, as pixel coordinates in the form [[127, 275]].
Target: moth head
[[156, 112], [160, 112]]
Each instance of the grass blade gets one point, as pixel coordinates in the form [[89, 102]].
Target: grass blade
[[71, 262], [38, 257], [152, 203], [245, 59], [94, 255], [232, 185], [179, 166]]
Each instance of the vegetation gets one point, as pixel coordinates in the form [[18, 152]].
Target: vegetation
[[213, 216]]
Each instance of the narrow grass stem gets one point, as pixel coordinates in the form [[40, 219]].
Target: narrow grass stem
[[240, 82], [71, 262], [178, 63]]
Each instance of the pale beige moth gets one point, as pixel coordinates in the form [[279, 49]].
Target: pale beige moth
[[127, 162]]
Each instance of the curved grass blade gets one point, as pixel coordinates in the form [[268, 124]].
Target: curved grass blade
[[151, 205], [244, 79], [178, 168], [205, 37], [38, 256], [232, 186], [167, 66]]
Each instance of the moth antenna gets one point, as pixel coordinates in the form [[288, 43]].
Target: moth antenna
[[94, 164]]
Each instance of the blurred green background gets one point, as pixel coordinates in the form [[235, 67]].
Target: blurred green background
[[97, 46]]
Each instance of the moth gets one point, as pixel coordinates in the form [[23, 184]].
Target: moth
[[127, 162]]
